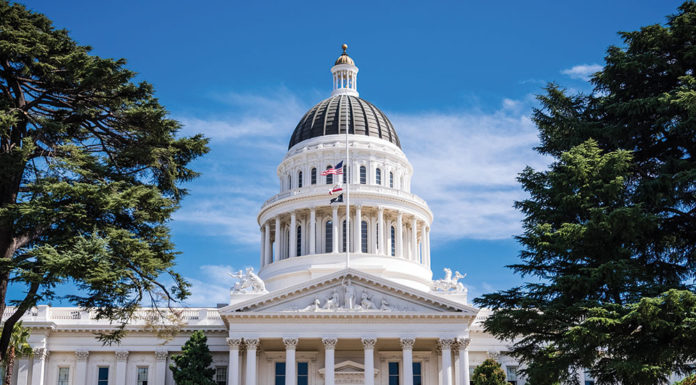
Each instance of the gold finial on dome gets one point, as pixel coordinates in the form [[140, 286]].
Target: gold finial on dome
[[344, 58]]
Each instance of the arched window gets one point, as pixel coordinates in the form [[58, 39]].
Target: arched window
[[391, 179], [299, 179], [346, 177], [393, 241], [363, 236], [313, 175], [328, 239], [289, 182], [329, 178], [363, 175], [299, 241], [378, 176]]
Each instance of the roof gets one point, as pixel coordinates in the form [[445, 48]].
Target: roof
[[328, 117]]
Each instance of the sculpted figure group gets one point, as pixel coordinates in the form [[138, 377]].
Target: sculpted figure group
[[248, 282], [449, 284], [349, 301]]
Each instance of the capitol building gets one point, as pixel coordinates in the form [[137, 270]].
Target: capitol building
[[343, 293]]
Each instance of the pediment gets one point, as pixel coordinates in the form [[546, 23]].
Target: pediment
[[350, 292]]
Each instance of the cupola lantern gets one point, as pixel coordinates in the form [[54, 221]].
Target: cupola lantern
[[345, 75]]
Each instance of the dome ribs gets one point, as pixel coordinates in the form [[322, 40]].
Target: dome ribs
[[328, 117]]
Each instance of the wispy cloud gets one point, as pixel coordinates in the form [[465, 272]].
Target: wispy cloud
[[215, 289], [582, 71], [465, 166]]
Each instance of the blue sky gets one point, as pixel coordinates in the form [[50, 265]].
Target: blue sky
[[457, 79]]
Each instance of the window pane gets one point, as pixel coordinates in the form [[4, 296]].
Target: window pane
[[280, 373], [63, 376], [346, 175], [393, 373], [302, 373], [393, 241], [329, 237], [378, 176], [314, 176], [344, 236], [299, 241], [363, 175], [391, 180], [103, 376], [142, 376], [299, 179], [417, 374], [221, 375], [329, 178], [363, 236]]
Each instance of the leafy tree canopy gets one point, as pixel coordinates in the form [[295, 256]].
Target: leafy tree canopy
[[192, 366], [610, 228], [90, 173], [489, 373]]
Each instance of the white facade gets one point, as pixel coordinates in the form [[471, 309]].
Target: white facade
[[358, 318]]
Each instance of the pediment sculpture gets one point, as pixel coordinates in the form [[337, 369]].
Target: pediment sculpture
[[449, 284], [248, 282]]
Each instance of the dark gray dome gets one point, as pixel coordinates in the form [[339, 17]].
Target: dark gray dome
[[328, 117]]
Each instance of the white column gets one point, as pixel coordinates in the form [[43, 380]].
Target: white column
[[312, 231], [329, 347], [414, 239], [293, 235], [267, 243], [290, 365], [262, 247], [445, 345], [81, 367], [23, 371], [407, 351], [358, 229], [382, 231], [399, 235], [233, 366], [276, 255], [369, 347], [334, 230], [251, 345], [427, 242], [121, 363], [424, 246], [161, 366], [463, 346], [38, 369]]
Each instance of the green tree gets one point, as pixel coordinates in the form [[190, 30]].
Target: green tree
[[489, 373], [610, 229], [90, 173], [192, 366], [19, 347], [690, 380]]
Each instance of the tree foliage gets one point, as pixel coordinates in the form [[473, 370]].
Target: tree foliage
[[610, 228], [19, 347], [489, 373], [192, 366], [90, 173], [690, 380]]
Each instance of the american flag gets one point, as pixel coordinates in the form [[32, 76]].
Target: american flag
[[334, 170]]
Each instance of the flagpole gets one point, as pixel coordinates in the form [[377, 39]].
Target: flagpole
[[347, 176]]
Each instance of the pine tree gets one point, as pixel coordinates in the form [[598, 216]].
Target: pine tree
[[90, 174], [610, 228], [192, 366], [489, 373]]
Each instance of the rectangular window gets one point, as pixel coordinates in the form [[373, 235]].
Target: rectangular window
[[302, 373], [393, 373], [511, 372], [280, 373], [103, 376], [417, 373], [378, 176], [314, 176], [363, 236], [221, 375], [142, 376], [63, 376]]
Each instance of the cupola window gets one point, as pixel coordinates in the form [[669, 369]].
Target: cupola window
[[299, 179], [391, 179], [393, 241], [346, 176], [378, 176], [299, 241], [363, 236], [289, 182], [363, 175], [313, 175], [328, 239]]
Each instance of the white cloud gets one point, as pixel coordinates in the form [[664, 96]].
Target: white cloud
[[465, 166], [215, 288], [582, 71]]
